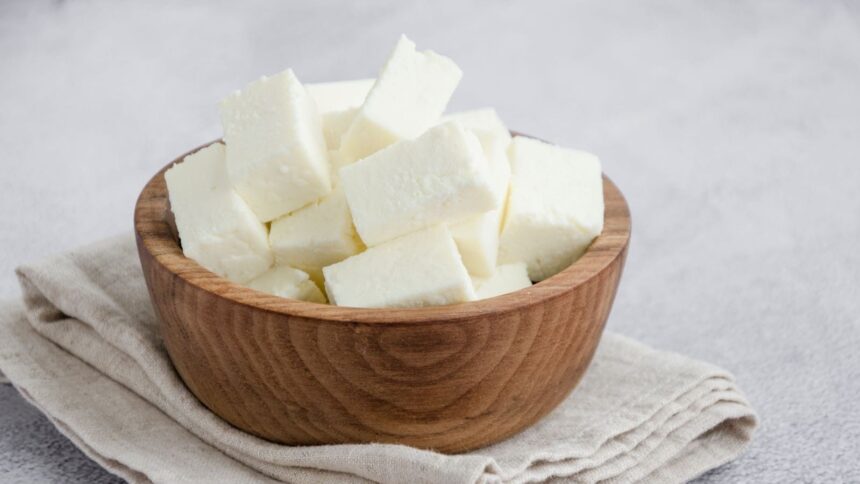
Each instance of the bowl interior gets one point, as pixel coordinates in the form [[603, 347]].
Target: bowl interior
[[155, 227]]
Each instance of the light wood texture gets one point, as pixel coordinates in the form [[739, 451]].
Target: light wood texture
[[450, 378]]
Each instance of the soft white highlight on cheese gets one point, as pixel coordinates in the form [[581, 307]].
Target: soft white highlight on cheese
[[420, 269], [507, 278], [276, 154], [315, 236], [288, 282], [408, 97], [216, 227], [555, 206], [440, 177], [341, 95]]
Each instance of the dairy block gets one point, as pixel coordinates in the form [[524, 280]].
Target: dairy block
[[216, 227], [409, 96], [276, 154], [420, 269], [555, 206], [440, 177]]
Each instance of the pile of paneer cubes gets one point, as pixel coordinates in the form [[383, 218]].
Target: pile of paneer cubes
[[363, 194]]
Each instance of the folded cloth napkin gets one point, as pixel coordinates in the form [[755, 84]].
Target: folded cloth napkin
[[84, 348]]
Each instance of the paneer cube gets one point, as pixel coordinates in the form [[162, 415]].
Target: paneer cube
[[507, 278], [555, 206], [316, 236], [216, 227], [276, 155], [440, 177], [288, 282], [408, 97], [420, 269]]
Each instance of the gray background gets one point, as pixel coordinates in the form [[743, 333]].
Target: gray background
[[733, 128]]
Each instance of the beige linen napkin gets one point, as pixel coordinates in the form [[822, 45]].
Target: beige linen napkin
[[84, 348]]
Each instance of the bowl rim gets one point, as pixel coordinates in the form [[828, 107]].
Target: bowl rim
[[154, 235]]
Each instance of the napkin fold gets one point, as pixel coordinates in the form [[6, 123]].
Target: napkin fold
[[84, 347]]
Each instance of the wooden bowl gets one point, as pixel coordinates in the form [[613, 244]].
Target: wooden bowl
[[449, 378]]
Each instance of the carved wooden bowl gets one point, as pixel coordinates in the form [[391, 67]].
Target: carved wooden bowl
[[449, 378]]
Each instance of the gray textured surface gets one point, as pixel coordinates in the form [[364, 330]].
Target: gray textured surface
[[32, 450], [732, 127]]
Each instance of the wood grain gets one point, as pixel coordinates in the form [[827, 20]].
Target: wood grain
[[450, 378]]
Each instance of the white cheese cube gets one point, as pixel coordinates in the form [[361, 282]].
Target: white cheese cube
[[478, 242], [484, 119], [276, 154], [335, 124], [216, 227], [555, 206], [507, 278], [287, 282], [315, 236], [478, 237], [341, 95], [408, 97], [440, 177], [420, 269]]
